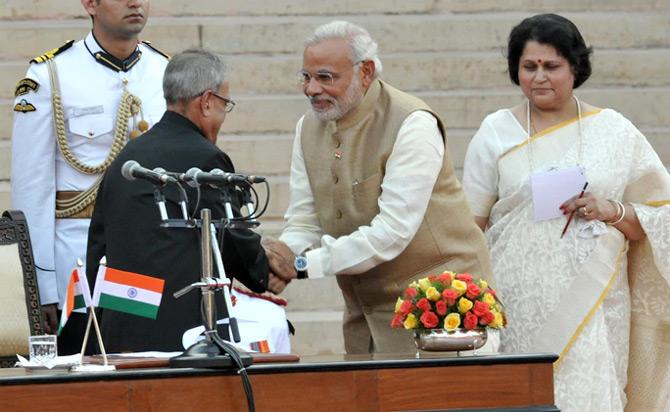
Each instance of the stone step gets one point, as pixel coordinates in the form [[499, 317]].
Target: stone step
[[21, 9], [318, 331], [306, 295], [461, 109], [395, 33], [272, 221], [261, 74], [16, 9], [544, 6], [270, 155]]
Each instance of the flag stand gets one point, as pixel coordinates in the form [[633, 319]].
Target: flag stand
[[89, 367], [82, 367]]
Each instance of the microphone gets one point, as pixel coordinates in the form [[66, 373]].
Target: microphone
[[217, 177], [132, 170], [182, 195]]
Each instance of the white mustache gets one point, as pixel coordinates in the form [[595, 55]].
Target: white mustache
[[318, 99]]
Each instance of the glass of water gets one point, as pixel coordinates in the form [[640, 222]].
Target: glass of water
[[43, 348]]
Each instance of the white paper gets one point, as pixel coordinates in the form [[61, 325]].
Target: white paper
[[57, 362], [552, 188]]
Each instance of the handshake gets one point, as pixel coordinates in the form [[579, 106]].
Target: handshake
[[280, 260]]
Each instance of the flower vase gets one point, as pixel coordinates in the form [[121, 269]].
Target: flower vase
[[460, 339]]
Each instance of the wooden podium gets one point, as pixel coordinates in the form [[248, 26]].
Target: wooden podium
[[335, 383]]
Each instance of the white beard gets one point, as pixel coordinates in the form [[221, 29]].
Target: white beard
[[341, 106]]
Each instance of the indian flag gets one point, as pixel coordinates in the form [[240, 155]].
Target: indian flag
[[77, 296], [128, 292]]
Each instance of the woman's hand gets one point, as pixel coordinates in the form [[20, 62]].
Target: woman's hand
[[590, 207]]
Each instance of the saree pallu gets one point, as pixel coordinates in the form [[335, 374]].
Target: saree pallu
[[571, 296]]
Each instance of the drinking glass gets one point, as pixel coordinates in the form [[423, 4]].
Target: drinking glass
[[43, 348]]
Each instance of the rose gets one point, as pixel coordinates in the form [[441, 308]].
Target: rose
[[480, 308], [486, 318], [465, 277], [473, 291], [464, 305], [429, 319], [452, 321], [497, 321], [398, 305], [411, 293], [441, 307], [470, 321], [406, 307], [396, 322], [424, 284], [411, 322], [459, 286], [450, 296], [423, 304], [433, 294], [488, 298], [446, 277]]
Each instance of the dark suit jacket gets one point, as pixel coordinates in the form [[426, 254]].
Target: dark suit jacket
[[125, 228]]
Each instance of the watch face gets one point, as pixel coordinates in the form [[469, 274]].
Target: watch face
[[300, 263]]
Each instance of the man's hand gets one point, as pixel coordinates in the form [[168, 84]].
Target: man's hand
[[275, 284], [280, 259], [50, 314]]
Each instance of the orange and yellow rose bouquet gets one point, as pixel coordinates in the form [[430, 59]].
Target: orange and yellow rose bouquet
[[448, 301]]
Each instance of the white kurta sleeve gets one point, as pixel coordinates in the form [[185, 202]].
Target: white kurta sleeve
[[33, 180], [480, 171], [411, 172]]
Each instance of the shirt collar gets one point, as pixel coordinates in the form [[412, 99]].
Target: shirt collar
[[106, 59]]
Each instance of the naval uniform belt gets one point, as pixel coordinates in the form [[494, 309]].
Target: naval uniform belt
[[85, 213]]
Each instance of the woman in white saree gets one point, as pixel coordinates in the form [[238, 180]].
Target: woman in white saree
[[598, 296]]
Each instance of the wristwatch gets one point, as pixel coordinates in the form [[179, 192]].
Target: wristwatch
[[300, 265]]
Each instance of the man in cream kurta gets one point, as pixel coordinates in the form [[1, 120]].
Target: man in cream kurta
[[373, 196]]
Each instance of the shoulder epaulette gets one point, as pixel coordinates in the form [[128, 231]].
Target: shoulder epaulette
[[152, 47], [51, 53]]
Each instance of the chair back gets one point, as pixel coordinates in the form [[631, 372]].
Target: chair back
[[19, 293]]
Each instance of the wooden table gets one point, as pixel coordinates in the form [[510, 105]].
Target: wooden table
[[334, 383]]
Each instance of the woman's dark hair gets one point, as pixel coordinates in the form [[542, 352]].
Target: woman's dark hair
[[555, 31]]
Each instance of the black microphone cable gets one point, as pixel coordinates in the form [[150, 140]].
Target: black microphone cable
[[231, 351]]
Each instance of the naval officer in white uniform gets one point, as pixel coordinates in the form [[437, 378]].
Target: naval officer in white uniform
[[74, 111]]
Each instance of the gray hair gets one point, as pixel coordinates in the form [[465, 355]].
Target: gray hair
[[190, 73], [362, 46]]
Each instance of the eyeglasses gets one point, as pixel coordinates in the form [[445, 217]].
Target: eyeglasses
[[323, 77], [230, 105]]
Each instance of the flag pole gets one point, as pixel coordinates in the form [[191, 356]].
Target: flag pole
[[88, 328], [92, 318], [97, 332]]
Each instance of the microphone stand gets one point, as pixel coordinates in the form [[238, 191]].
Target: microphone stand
[[212, 352], [246, 200], [159, 198]]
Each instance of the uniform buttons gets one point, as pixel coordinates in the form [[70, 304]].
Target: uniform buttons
[[338, 155], [338, 214], [338, 144], [336, 179], [91, 133], [125, 80]]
